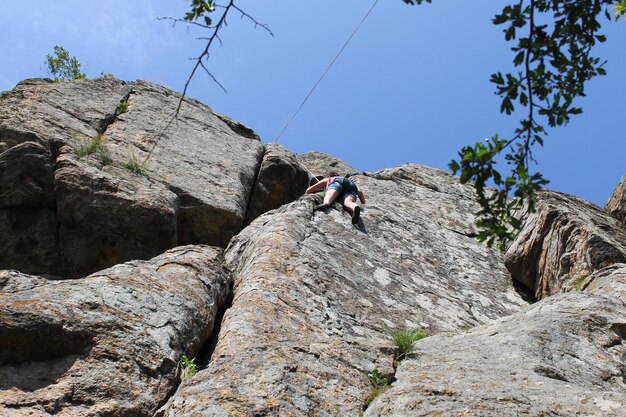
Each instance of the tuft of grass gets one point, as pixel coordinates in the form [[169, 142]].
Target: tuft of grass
[[380, 384], [188, 368], [579, 281], [122, 108], [405, 340], [96, 147], [133, 164]]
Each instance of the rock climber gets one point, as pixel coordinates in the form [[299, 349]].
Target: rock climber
[[341, 189]]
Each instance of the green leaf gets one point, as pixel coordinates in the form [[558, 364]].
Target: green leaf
[[523, 99]]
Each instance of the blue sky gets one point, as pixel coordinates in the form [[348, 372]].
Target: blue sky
[[412, 86]]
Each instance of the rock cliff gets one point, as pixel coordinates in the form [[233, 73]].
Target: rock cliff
[[113, 270], [65, 150]]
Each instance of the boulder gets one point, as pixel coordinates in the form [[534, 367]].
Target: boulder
[[27, 176], [109, 216], [319, 164], [109, 344], [27, 213], [609, 281], [197, 173], [201, 156], [617, 202], [30, 240], [562, 357], [316, 297], [59, 113], [563, 243], [281, 179]]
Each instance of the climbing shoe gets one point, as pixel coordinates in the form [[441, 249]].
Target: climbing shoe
[[356, 214], [321, 207]]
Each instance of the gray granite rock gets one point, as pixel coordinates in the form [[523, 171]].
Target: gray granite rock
[[563, 243], [609, 281], [562, 357], [30, 240], [281, 179], [108, 344], [617, 202], [28, 222], [109, 216], [319, 164], [27, 176], [196, 185], [58, 113], [201, 156], [316, 297]]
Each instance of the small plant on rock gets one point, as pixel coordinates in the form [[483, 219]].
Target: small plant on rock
[[62, 66], [579, 281], [96, 147], [188, 368], [122, 107], [380, 384], [133, 164], [405, 340]]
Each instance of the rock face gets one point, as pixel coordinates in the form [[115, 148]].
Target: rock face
[[563, 357], [563, 243], [281, 180], [202, 157], [64, 189], [316, 298], [319, 164], [108, 344], [617, 202], [27, 210]]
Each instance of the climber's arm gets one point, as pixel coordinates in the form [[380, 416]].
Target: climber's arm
[[361, 196], [316, 187]]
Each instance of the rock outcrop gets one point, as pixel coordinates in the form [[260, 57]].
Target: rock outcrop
[[63, 149], [617, 202], [107, 214], [316, 298], [201, 156], [319, 164], [289, 312], [281, 179], [562, 357], [108, 344], [563, 243], [28, 221]]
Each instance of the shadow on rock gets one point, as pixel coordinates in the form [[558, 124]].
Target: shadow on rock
[[34, 358]]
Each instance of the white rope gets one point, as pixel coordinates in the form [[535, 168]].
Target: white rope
[[327, 69]]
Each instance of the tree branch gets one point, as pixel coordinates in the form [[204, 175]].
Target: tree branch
[[204, 56]]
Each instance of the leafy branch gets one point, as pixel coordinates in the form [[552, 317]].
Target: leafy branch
[[555, 63], [62, 66], [620, 9]]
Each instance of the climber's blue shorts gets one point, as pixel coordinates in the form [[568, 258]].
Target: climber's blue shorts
[[345, 187]]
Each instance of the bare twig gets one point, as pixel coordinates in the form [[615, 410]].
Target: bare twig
[[204, 56], [187, 22], [256, 23]]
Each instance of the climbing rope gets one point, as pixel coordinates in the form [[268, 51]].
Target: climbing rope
[[325, 72]]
